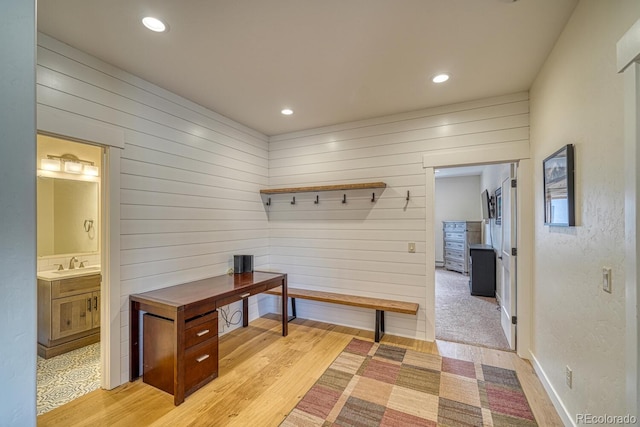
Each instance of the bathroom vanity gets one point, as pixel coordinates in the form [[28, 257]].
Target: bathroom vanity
[[68, 310]]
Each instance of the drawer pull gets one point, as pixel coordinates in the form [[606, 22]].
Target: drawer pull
[[201, 358], [243, 296], [201, 333]]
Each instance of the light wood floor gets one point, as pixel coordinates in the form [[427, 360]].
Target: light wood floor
[[263, 376]]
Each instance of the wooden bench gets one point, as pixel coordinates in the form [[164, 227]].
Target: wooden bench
[[378, 304]]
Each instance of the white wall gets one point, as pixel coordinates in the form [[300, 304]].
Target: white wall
[[190, 178], [17, 214], [457, 199], [578, 98], [491, 179], [361, 247]]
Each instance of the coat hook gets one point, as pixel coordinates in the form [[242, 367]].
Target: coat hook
[[407, 195], [344, 198], [268, 202], [317, 200], [293, 202], [373, 197]]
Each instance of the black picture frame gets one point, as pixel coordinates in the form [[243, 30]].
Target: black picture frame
[[498, 198], [559, 188]]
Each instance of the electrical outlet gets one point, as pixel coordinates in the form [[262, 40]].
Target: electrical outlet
[[606, 279], [568, 376], [412, 248]]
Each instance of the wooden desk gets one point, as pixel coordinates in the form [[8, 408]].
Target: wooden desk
[[192, 304]]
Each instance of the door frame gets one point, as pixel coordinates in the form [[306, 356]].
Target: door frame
[[511, 152], [628, 64], [77, 128]]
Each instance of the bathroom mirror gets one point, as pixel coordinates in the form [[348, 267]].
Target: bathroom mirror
[[67, 216]]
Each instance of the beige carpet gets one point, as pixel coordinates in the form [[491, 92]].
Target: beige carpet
[[461, 317]]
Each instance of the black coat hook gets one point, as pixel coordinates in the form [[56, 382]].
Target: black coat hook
[[317, 200], [344, 199], [268, 202], [373, 197], [293, 202], [408, 195]]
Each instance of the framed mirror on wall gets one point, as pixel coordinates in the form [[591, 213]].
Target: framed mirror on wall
[[498, 198], [67, 215], [559, 191]]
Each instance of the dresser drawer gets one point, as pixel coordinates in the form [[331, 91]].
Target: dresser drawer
[[201, 363], [454, 255], [200, 329], [454, 265], [457, 246], [455, 226], [228, 300], [452, 236]]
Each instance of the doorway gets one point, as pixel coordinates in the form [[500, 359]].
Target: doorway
[[70, 206], [470, 308]]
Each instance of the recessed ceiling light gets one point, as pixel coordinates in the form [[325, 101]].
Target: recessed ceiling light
[[287, 111], [440, 78], [154, 24]]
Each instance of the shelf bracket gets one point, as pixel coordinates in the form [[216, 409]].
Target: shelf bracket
[[317, 200], [293, 202]]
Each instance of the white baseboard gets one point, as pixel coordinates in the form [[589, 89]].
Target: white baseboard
[[566, 417]]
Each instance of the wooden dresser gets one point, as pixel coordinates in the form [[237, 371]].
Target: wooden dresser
[[458, 235], [180, 328]]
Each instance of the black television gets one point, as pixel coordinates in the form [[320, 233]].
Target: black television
[[487, 212]]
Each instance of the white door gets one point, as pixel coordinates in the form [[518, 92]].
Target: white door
[[508, 297]]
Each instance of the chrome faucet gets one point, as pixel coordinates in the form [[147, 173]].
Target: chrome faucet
[[72, 263]]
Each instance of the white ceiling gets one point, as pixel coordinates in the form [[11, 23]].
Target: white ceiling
[[331, 61]]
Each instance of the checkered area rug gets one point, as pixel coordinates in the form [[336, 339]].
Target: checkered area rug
[[372, 384]]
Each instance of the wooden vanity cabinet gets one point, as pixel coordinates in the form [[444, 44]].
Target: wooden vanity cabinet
[[68, 314]]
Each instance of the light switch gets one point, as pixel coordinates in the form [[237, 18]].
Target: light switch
[[412, 248]]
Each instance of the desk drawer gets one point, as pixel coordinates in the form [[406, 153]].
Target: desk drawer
[[228, 300], [200, 329], [201, 363]]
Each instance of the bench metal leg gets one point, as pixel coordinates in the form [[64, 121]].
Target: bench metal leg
[[293, 309], [379, 331]]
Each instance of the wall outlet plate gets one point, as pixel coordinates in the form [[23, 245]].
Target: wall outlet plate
[[606, 279]]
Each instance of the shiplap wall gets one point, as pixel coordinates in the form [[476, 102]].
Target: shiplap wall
[[190, 178], [361, 247]]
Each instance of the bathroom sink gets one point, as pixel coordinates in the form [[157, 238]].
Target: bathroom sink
[[76, 272]]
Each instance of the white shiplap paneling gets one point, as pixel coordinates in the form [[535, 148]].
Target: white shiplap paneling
[[361, 247], [189, 177]]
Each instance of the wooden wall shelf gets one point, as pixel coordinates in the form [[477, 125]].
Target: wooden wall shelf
[[316, 188]]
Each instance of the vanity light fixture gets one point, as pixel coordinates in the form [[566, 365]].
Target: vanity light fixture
[[72, 164], [72, 167], [440, 78], [50, 164], [154, 24], [90, 170], [287, 111]]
